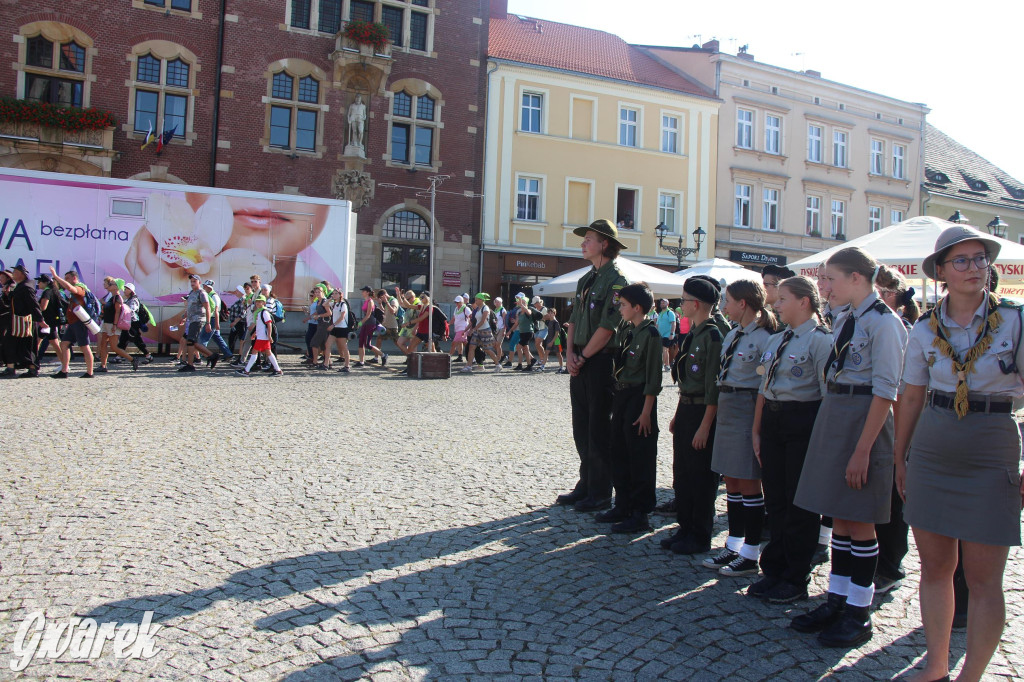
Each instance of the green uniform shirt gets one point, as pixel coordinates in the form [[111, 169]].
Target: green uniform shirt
[[699, 361], [596, 304], [639, 359]]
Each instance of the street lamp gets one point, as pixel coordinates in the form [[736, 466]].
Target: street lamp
[[997, 227], [680, 252], [958, 218]]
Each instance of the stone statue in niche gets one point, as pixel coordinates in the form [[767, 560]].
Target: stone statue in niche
[[356, 127]]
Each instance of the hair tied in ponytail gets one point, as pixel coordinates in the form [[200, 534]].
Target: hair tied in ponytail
[[874, 275], [908, 296]]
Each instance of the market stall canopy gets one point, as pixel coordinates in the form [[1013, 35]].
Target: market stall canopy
[[662, 283], [904, 245], [723, 271]]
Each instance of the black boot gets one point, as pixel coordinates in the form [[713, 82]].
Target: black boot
[[636, 523], [678, 536], [566, 499], [822, 617], [851, 630], [613, 515]]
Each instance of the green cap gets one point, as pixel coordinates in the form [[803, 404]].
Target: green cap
[[261, 297], [120, 283], [483, 296]]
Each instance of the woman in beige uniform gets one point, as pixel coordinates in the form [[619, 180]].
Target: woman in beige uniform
[[961, 479]]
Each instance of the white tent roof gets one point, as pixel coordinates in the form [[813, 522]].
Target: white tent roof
[[906, 244], [721, 270], [662, 283]]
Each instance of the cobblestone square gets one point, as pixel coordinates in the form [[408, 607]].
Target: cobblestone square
[[323, 526]]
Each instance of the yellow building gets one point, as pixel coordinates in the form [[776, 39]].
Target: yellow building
[[580, 126]]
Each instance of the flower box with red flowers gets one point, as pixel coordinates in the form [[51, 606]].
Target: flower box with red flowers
[[367, 33], [50, 115]]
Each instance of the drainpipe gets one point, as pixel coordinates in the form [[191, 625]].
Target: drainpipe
[[483, 176], [215, 123]]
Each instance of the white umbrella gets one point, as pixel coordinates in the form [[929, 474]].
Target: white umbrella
[[723, 271], [661, 282], [904, 245]]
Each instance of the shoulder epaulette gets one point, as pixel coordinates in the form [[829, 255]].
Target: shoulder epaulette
[[927, 315], [1010, 303], [823, 328], [879, 306], [715, 333]]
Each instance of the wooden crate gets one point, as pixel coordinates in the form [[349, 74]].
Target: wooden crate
[[430, 366]]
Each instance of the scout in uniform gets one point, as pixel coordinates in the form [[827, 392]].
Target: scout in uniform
[[693, 426], [848, 475], [591, 344], [634, 431], [733, 453], [962, 481], [771, 276], [792, 384]]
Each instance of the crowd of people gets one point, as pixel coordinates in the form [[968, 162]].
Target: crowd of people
[[835, 412]]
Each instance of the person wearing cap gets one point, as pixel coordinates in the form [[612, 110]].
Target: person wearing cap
[[367, 326], [539, 315], [261, 330], [958, 447], [500, 327], [237, 317], [526, 325], [590, 346], [693, 426], [196, 320], [76, 331], [210, 287], [515, 351], [849, 475], [134, 333], [109, 332], [479, 333], [20, 342], [52, 307], [460, 323], [392, 311]]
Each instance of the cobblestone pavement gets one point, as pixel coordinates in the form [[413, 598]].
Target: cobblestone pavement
[[321, 526]]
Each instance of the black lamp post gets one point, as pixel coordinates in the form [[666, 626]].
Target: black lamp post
[[680, 252], [958, 218], [997, 227]]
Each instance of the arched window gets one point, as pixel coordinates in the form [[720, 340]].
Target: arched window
[[162, 88], [55, 64], [415, 124], [294, 108], [406, 225], [405, 265]]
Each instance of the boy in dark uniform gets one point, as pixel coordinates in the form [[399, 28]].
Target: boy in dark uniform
[[591, 343], [693, 427], [634, 429]]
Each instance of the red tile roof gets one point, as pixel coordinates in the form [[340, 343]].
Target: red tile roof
[[582, 50]]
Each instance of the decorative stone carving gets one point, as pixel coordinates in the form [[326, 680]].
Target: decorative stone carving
[[355, 186]]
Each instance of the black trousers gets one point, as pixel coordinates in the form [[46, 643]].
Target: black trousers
[[590, 393], [237, 334], [133, 335], [634, 458], [696, 485], [794, 531], [892, 541]]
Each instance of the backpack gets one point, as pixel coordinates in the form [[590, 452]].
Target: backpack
[[145, 317], [223, 315], [400, 316], [440, 324], [352, 321], [278, 311], [124, 320], [378, 314], [92, 306]]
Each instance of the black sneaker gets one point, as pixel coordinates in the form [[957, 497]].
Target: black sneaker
[[59, 375], [884, 584], [533, 362], [242, 372], [723, 558], [213, 360], [738, 567], [762, 587], [358, 364], [822, 617], [518, 368], [373, 361], [852, 629], [135, 363], [508, 364], [785, 593], [678, 536], [636, 523], [101, 370], [344, 370], [591, 504], [277, 373], [613, 515], [186, 368], [383, 359], [85, 376], [235, 363], [148, 359]]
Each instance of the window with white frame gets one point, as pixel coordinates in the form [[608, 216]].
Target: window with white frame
[[668, 211], [772, 134], [294, 111], [628, 126], [414, 121], [670, 134], [744, 129], [528, 198], [814, 143], [161, 94], [838, 218], [813, 225], [874, 218], [531, 112], [899, 154], [770, 210], [741, 213], [839, 139], [897, 217], [877, 157]]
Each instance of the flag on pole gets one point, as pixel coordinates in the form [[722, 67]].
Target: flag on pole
[[149, 136], [165, 138]]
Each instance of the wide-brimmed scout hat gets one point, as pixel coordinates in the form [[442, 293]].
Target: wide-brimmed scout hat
[[604, 228], [952, 236]]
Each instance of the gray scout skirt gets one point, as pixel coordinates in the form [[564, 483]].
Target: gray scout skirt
[[963, 477], [822, 488], [733, 453]]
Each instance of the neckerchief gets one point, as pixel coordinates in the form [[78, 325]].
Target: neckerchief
[[961, 367]]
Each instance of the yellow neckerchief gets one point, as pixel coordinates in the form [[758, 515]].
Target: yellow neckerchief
[[961, 368]]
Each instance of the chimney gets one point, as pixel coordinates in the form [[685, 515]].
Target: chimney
[[812, 73], [710, 46], [499, 9]]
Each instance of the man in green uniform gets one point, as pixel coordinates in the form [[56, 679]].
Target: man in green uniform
[[591, 344]]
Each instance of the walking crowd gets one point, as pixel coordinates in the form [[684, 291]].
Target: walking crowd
[[835, 413]]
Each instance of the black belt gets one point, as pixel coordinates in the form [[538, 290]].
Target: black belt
[[848, 389], [578, 350], [985, 404], [622, 386], [685, 399], [735, 389], [789, 405]]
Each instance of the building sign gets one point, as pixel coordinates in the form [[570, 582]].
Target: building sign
[[451, 278], [544, 265], [762, 259]]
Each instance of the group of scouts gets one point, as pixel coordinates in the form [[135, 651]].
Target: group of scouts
[[817, 401]]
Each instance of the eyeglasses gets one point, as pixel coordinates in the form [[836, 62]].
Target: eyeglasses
[[963, 264], [771, 285], [688, 300]]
